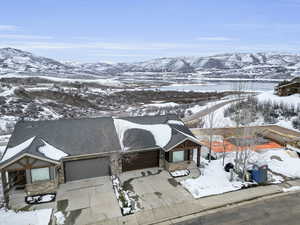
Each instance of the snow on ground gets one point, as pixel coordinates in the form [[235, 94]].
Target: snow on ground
[[7, 92], [293, 188], [287, 124], [60, 218], [270, 96], [10, 152], [218, 119], [213, 180], [162, 104], [221, 121], [37, 217], [198, 108], [279, 161], [161, 132], [51, 152]]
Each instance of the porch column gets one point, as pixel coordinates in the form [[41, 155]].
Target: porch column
[[198, 156], [4, 186]]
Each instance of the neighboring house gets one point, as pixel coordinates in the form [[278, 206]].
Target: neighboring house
[[286, 88], [41, 155]]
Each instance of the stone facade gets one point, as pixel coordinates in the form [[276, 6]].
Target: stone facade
[[171, 166], [116, 164], [161, 159], [42, 187], [60, 173]]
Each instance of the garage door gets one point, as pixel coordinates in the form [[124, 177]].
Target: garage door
[[86, 168], [140, 160]]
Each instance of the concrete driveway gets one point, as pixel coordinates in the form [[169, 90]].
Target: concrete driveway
[[87, 201], [154, 188]]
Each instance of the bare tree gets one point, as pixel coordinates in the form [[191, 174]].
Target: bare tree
[[211, 117], [245, 137]]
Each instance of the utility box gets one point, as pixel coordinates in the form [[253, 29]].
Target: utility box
[[260, 174]]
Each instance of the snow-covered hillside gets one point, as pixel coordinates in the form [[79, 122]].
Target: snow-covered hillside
[[234, 65]]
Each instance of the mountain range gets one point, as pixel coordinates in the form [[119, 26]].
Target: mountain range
[[233, 65]]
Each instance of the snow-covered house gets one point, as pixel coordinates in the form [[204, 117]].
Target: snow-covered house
[[287, 88], [42, 154]]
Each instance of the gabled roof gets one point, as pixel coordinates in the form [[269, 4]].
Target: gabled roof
[[98, 135], [72, 136], [135, 139]]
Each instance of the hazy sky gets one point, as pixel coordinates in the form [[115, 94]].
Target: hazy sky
[[132, 30]]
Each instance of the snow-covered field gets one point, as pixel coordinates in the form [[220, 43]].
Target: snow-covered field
[[37, 217], [270, 96]]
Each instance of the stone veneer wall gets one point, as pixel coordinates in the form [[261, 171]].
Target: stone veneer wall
[[115, 164], [171, 166], [161, 159], [60, 174], [41, 187]]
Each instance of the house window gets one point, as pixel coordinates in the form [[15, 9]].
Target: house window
[[178, 156], [40, 174]]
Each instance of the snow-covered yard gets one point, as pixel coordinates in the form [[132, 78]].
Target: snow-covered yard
[[270, 96], [37, 217], [279, 161], [214, 180]]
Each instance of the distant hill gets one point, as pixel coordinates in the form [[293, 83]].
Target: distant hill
[[234, 65]]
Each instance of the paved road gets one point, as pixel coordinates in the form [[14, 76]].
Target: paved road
[[195, 118], [283, 210]]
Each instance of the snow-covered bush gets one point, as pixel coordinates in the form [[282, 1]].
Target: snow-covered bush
[[126, 203]]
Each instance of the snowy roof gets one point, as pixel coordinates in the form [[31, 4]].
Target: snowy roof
[[34, 146], [144, 132], [56, 139], [71, 136]]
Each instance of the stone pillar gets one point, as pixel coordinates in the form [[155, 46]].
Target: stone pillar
[[116, 164], [191, 154], [60, 173], [161, 158]]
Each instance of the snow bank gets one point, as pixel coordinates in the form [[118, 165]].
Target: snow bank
[[60, 218], [161, 132], [10, 152], [281, 162], [37, 217], [162, 105], [175, 122], [293, 188], [214, 180], [51, 152], [269, 96]]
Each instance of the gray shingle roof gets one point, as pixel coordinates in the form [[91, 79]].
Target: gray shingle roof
[[92, 135], [73, 136]]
